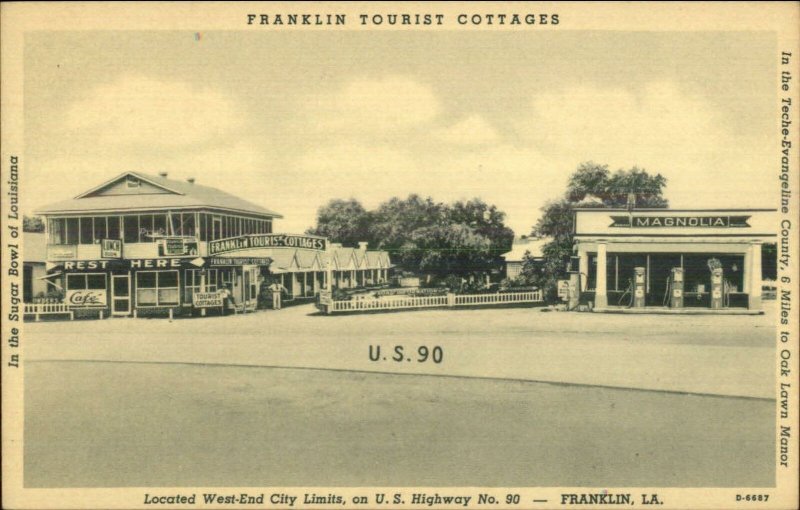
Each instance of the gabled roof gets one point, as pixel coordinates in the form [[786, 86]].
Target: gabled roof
[[345, 258], [360, 258], [284, 261], [520, 246], [308, 260], [374, 259], [160, 193]]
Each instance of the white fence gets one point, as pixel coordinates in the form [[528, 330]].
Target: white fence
[[37, 309], [399, 302], [534, 296]]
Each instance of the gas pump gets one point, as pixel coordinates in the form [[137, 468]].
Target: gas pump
[[676, 287], [639, 290], [716, 289]]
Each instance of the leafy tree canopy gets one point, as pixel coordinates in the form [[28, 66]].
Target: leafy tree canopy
[[32, 224], [422, 234], [344, 221]]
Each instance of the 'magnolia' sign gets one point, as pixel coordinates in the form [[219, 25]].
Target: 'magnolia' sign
[[266, 241], [680, 221]]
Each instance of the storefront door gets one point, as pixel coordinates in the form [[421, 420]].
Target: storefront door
[[120, 294]]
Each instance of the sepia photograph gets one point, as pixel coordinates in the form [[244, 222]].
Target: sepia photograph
[[400, 255]]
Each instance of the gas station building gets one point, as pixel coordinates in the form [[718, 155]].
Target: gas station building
[[672, 258]]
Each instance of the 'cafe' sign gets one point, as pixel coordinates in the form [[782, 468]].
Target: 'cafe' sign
[[83, 297], [680, 221]]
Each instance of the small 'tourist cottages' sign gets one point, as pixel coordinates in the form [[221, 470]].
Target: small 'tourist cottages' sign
[[206, 299], [266, 241], [680, 221]]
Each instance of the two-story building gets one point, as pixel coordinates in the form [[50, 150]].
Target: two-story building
[[141, 242]]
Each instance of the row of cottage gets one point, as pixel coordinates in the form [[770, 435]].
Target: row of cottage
[[142, 242]]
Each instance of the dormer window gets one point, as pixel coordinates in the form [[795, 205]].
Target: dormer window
[[132, 182]]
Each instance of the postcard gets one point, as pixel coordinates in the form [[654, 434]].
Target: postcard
[[379, 255]]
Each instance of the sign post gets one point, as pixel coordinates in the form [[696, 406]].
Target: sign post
[[203, 289]]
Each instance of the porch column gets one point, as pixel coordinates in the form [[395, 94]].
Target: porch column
[[747, 269], [754, 301], [583, 267], [600, 298]]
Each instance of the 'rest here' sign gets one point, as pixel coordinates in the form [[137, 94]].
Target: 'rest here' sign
[[206, 299]]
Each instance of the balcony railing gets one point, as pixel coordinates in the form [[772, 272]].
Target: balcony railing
[[64, 252]]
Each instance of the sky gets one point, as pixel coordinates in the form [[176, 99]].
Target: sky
[[290, 120]]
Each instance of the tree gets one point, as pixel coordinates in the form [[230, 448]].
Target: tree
[[393, 223], [486, 220], [423, 235], [591, 185], [32, 224], [342, 221], [445, 249]]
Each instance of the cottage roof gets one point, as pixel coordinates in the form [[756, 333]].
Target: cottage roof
[[520, 246]]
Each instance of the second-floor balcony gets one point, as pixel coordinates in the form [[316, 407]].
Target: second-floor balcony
[[95, 251]]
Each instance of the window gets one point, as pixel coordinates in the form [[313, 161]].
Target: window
[[217, 228], [86, 231], [225, 277], [113, 227], [57, 231], [157, 288], [203, 227], [269, 227], [131, 226], [72, 230], [146, 228], [160, 224], [187, 224], [86, 281], [175, 219], [193, 278], [99, 228]]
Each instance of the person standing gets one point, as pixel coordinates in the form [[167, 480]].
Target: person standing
[[227, 300], [276, 288]]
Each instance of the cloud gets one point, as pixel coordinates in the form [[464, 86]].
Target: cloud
[[143, 111], [518, 180], [660, 128], [472, 130], [389, 104]]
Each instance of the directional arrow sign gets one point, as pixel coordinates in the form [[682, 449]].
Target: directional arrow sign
[[199, 261]]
